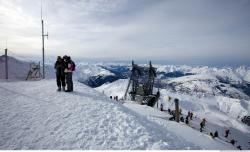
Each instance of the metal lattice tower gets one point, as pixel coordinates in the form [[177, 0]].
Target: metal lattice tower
[[141, 84]]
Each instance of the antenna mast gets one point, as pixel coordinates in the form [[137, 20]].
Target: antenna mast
[[43, 35]]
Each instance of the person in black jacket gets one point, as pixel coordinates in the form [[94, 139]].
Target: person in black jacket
[[216, 134], [202, 124], [227, 132], [187, 121], [60, 76]]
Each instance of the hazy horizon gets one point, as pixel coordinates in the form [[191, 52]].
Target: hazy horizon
[[196, 62]]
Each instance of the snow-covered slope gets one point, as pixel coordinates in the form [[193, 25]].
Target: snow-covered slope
[[95, 75], [235, 108], [34, 116], [19, 69], [116, 88], [206, 81], [203, 85], [221, 112], [231, 74], [180, 129]]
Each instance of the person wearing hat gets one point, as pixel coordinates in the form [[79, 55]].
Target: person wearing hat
[[60, 76]]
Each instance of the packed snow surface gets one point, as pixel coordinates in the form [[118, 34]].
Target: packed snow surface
[[34, 116]]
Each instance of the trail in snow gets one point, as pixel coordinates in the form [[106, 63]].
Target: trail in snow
[[34, 116]]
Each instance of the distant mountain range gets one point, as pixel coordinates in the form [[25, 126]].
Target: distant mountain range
[[198, 81]]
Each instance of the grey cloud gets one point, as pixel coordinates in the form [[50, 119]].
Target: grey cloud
[[125, 29]]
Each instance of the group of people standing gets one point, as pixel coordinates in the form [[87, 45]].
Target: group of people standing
[[202, 125], [64, 71]]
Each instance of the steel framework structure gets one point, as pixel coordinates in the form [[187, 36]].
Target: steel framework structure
[[141, 84]]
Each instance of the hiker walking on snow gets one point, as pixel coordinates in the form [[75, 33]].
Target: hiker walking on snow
[[216, 134], [60, 76], [180, 111], [70, 67], [187, 121], [233, 141], [227, 132], [202, 124], [191, 115], [239, 147], [161, 107], [169, 111], [182, 119]]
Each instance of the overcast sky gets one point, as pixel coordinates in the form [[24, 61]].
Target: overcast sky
[[173, 30]]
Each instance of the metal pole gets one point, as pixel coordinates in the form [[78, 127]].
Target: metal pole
[[43, 49], [177, 112], [43, 35], [6, 63]]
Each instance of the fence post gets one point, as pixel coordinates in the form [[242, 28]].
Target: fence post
[[177, 112], [40, 75]]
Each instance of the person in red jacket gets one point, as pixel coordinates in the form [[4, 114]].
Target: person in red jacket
[[70, 67]]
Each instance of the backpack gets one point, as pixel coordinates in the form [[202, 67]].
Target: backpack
[[73, 66]]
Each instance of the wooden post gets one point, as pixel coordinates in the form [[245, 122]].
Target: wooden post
[[6, 63], [177, 112]]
